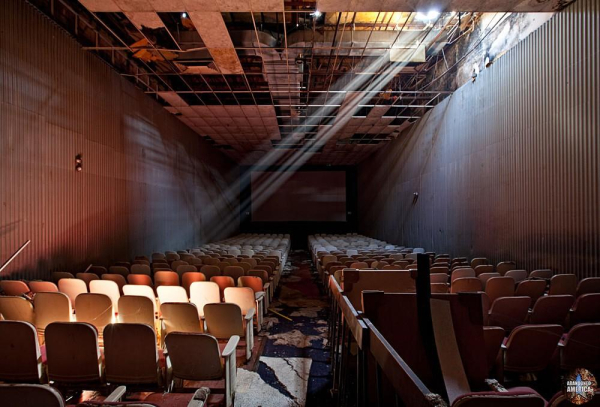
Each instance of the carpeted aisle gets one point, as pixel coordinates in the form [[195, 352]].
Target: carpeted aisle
[[293, 368]]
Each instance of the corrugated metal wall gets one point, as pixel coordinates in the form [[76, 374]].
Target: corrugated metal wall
[[508, 167], [148, 183]]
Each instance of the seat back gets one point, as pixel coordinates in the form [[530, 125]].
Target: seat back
[[504, 266], [123, 271], [234, 272], [533, 289], [87, 277], [141, 269], [263, 275], [517, 275], [117, 278], [185, 268], [590, 285], [136, 309], [529, 348], [194, 356], [168, 278], [545, 274], [51, 307], [585, 309], [581, 347], [255, 283], [98, 270], [108, 288], [551, 309], [130, 354], [439, 288], [95, 309], [171, 294], [180, 317], [224, 320], [462, 273], [139, 279], [484, 277], [483, 268], [30, 395], [438, 278], [497, 287], [191, 277], [175, 265], [563, 284], [479, 261], [72, 351], [210, 271], [223, 282], [58, 275], [508, 312], [14, 287], [204, 292], [20, 357], [142, 291], [242, 296], [16, 309], [42, 286], [465, 285], [72, 287]]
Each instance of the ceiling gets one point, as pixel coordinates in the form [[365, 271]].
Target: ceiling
[[271, 81]]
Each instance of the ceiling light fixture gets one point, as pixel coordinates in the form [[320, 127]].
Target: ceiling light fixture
[[316, 14], [428, 17], [184, 15]]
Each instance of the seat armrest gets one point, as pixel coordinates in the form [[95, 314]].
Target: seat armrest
[[232, 343], [250, 314], [200, 397], [117, 394]]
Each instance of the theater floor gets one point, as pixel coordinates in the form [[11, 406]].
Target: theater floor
[[293, 369]]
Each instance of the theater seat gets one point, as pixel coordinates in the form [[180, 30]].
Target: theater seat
[[551, 309], [589, 285], [95, 309], [247, 301], [16, 309], [529, 348], [180, 317], [225, 320], [136, 309], [197, 357], [581, 347], [14, 287], [20, 357], [533, 289], [30, 395], [517, 397], [585, 309], [202, 293], [73, 355], [563, 284], [508, 312], [131, 356], [42, 286]]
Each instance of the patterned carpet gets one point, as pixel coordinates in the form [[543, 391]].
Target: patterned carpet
[[293, 369]]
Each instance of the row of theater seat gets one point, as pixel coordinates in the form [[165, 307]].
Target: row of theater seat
[[517, 339], [73, 359], [168, 313]]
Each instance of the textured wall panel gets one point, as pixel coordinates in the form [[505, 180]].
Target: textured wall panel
[[508, 167], [148, 183]]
